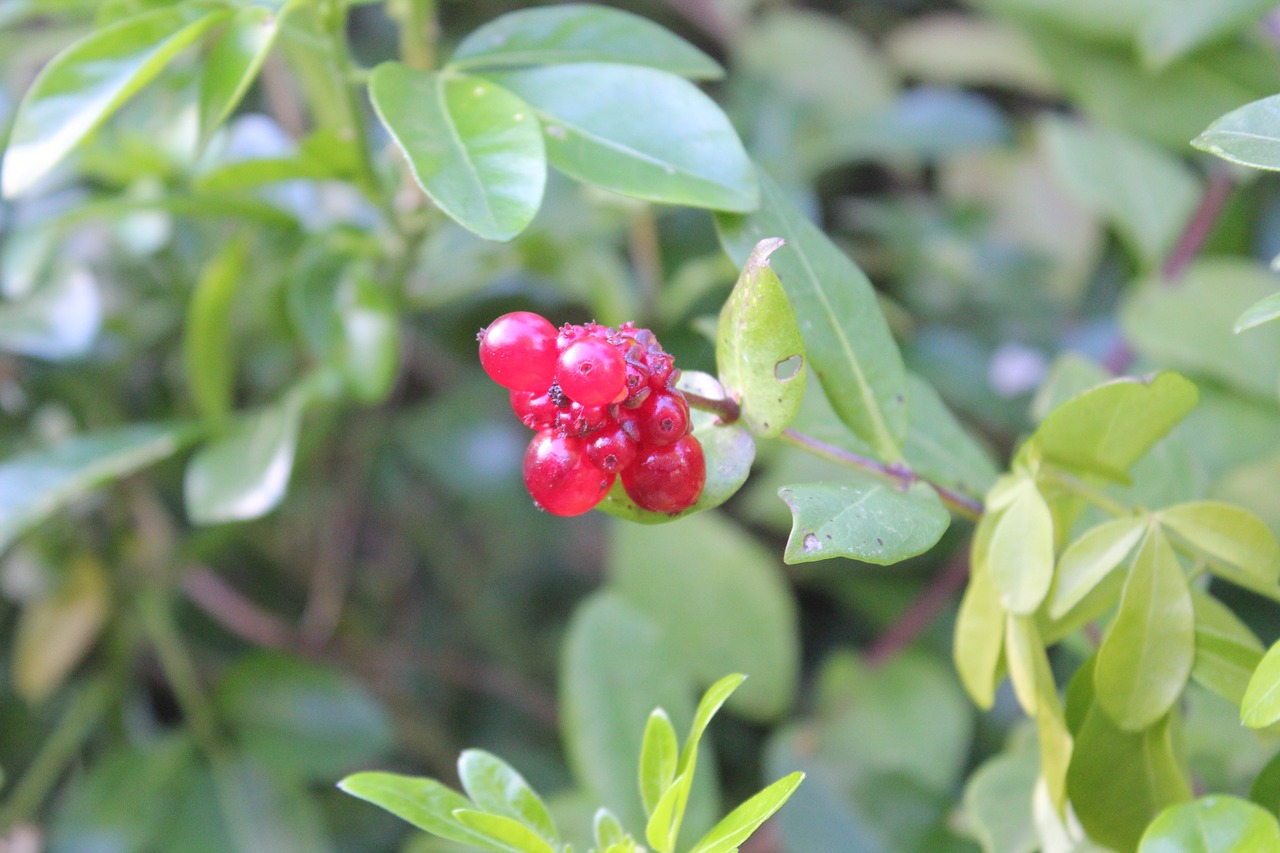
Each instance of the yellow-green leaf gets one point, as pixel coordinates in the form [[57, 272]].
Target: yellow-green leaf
[[1020, 558]]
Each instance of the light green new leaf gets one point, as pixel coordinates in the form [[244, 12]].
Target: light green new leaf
[[1227, 650], [494, 786], [1144, 192], [1235, 542], [245, 473], [1022, 648], [846, 337], [740, 823], [659, 752], [606, 830], [232, 64], [997, 800], [1020, 558], [1263, 311], [35, 485], [503, 833], [1091, 558], [425, 803], [638, 131], [473, 146], [980, 624], [207, 353], [1146, 656], [1108, 428], [371, 338], [578, 32], [1249, 135], [863, 518], [1118, 781], [759, 351], [1216, 824], [88, 81], [1261, 704], [1174, 28]]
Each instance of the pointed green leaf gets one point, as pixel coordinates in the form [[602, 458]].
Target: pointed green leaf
[[846, 336], [245, 473], [1233, 540], [207, 353], [1146, 656], [1217, 824], [1021, 553], [502, 833], [35, 485], [578, 32], [740, 823], [759, 351], [606, 829], [659, 751], [494, 786], [1227, 650], [425, 803], [1090, 558], [232, 64], [638, 131], [473, 146], [663, 826], [88, 81], [1261, 704], [980, 624], [865, 518], [708, 706], [1108, 428], [1263, 311], [1249, 135]]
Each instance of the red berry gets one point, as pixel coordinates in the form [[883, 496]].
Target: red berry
[[660, 367], [591, 372], [560, 477], [667, 479], [518, 351], [576, 419], [611, 449], [664, 418], [536, 411]]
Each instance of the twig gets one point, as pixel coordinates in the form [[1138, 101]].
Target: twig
[[945, 585], [1216, 192]]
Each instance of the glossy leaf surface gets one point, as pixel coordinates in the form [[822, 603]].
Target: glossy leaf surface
[[1217, 824]]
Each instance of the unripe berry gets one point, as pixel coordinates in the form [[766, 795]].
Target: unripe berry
[[518, 351], [560, 477], [667, 479], [664, 418], [591, 372]]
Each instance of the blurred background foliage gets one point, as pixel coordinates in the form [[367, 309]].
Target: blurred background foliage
[[1015, 177]]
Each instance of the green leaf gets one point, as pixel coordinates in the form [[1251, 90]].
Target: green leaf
[[997, 801], [35, 485], [88, 81], [1118, 781], [1146, 656], [1089, 559], [245, 473], [263, 812], [1261, 704], [59, 320], [638, 131], [58, 627], [659, 751], [1249, 135], [1235, 542], [302, 719], [1227, 650], [232, 64], [495, 787], [503, 833], [939, 449], [864, 518], [720, 601], [207, 353], [577, 32], [371, 338], [740, 823], [473, 146], [1216, 824], [1188, 327], [980, 624], [1263, 311], [606, 829], [1175, 28], [1147, 194], [846, 336], [968, 50], [1265, 790], [759, 351], [728, 451], [425, 803], [1108, 428], [1020, 558]]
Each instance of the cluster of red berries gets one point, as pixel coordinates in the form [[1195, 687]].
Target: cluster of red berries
[[605, 405]]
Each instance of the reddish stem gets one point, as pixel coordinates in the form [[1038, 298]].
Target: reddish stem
[[921, 612]]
